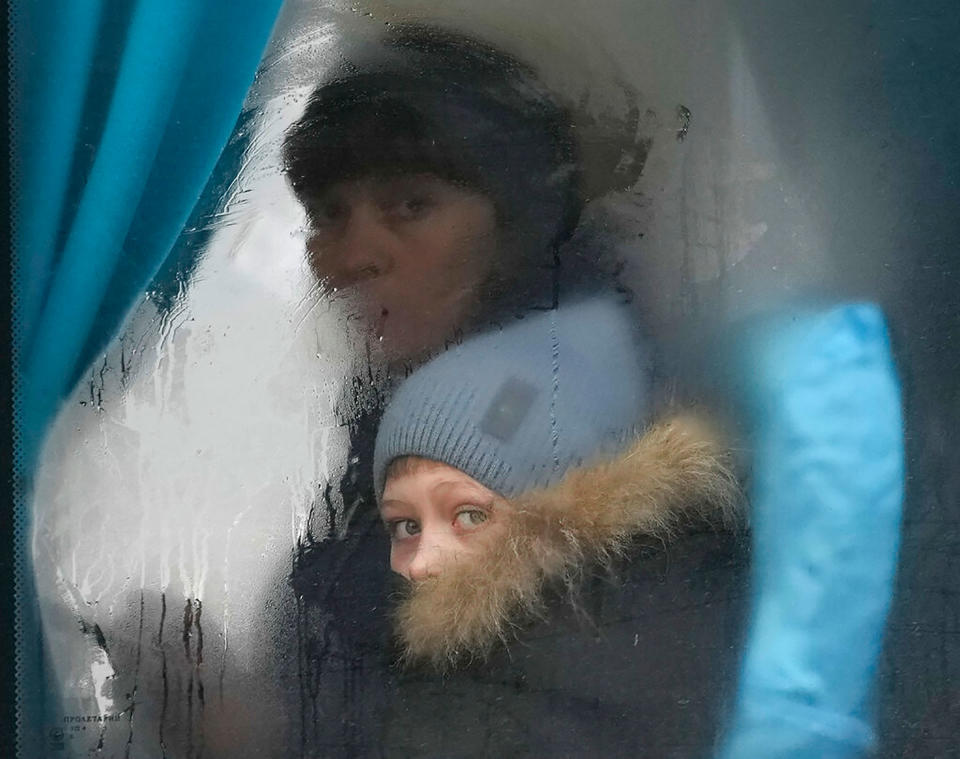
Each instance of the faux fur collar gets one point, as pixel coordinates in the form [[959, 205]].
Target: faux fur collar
[[676, 472]]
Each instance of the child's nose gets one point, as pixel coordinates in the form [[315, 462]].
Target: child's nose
[[433, 553]]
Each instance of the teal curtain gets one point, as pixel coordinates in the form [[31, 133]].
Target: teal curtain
[[98, 206], [119, 113], [823, 400]]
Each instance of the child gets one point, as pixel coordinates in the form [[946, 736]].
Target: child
[[514, 462]]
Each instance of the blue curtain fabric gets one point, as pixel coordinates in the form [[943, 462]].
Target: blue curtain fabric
[[826, 510], [119, 112], [86, 247]]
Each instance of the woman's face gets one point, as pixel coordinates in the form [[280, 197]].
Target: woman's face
[[409, 253], [437, 515]]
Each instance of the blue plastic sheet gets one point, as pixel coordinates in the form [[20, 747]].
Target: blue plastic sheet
[[826, 509]]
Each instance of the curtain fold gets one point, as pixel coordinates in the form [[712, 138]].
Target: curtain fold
[[58, 79], [183, 72], [169, 78]]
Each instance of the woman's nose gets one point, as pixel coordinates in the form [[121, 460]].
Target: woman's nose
[[364, 249]]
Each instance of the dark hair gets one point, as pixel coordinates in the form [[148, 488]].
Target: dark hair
[[402, 466], [441, 103]]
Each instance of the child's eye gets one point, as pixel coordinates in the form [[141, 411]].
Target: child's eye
[[470, 519], [400, 529]]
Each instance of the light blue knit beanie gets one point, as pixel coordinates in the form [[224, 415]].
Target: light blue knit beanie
[[517, 407]]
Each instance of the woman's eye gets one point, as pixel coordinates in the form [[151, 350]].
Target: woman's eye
[[401, 529], [470, 519], [412, 206], [328, 213]]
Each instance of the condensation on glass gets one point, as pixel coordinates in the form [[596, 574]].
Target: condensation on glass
[[195, 480]]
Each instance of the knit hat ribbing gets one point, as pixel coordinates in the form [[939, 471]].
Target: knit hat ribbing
[[518, 407]]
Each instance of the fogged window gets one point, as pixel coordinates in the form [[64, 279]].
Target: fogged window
[[424, 441]]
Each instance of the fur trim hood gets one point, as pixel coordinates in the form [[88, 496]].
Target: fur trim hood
[[675, 473]]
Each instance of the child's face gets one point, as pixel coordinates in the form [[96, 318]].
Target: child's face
[[437, 515]]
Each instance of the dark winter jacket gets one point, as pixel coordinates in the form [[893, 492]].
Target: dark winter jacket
[[647, 668], [643, 664]]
